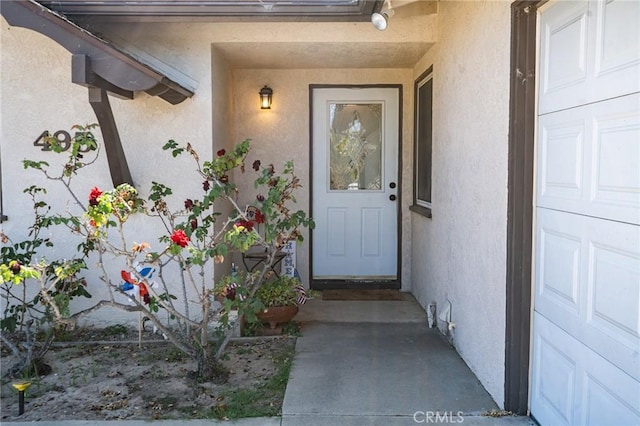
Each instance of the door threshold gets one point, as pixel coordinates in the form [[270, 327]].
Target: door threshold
[[360, 284]]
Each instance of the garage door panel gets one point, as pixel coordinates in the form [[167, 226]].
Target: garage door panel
[[602, 399], [559, 266], [561, 157], [613, 297], [567, 389], [563, 63], [589, 159], [617, 48], [588, 283], [555, 379], [590, 51], [616, 148]]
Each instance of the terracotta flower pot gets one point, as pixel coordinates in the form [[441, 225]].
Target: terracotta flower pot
[[275, 315]]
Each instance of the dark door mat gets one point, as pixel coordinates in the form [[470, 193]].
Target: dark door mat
[[381, 294]]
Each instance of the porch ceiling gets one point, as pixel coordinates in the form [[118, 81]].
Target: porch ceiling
[[313, 55], [273, 34]]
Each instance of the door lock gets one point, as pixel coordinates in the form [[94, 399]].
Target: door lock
[[392, 185], [392, 197]]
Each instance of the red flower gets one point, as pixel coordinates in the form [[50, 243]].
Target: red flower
[[260, 197], [221, 152], [188, 204], [180, 238], [93, 196], [206, 185], [256, 165], [194, 224], [259, 217]]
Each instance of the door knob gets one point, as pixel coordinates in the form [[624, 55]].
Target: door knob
[[392, 197]]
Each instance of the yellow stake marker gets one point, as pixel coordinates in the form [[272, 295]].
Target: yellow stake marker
[[21, 387]]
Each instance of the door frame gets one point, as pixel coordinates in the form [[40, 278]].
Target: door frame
[[358, 284], [522, 125]]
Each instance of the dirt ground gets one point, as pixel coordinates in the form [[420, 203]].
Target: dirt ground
[[105, 379]]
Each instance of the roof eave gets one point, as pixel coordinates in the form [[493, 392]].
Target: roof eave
[[107, 61]]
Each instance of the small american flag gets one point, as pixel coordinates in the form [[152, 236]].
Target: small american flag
[[302, 294]]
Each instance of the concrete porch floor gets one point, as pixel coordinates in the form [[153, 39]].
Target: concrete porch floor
[[374, 311], [378, 363]]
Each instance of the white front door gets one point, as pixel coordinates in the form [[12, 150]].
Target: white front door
[[586, 321], [355, 135]]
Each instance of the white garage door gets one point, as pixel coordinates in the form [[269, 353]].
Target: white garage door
[[586, 324]]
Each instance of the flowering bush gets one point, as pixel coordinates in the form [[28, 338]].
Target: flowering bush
[[29, 322], [192, 239]]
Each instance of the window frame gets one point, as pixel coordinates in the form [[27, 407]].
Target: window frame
[[420, 206]]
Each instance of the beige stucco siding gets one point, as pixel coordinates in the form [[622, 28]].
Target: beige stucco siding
[[459, 255]]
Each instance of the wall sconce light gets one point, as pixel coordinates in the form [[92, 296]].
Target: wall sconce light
[[266, 94], [380, 20]]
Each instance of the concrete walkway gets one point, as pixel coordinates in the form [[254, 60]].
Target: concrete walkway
[[379, 370], [367, 363], [378, 363]]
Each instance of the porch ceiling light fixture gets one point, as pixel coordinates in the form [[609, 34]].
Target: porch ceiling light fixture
[[380, 20], [266, 95]]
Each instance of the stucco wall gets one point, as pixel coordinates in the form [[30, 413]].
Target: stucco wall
[[460, 254], [283, 132], [37, 95]]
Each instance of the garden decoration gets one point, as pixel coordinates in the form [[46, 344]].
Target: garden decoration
[[164, 281], [138, 290]]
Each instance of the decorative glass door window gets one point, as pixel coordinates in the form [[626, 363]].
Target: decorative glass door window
[[355, 146]]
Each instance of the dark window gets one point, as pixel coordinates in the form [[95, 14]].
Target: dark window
[[423, 143]]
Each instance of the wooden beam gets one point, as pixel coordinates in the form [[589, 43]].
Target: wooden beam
[[118, 166]]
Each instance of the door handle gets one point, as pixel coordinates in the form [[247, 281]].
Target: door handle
[[392, 197]]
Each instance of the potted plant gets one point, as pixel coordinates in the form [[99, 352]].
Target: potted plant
[[280, 298]]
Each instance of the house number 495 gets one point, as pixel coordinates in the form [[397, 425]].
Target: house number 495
[[62, 138]]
